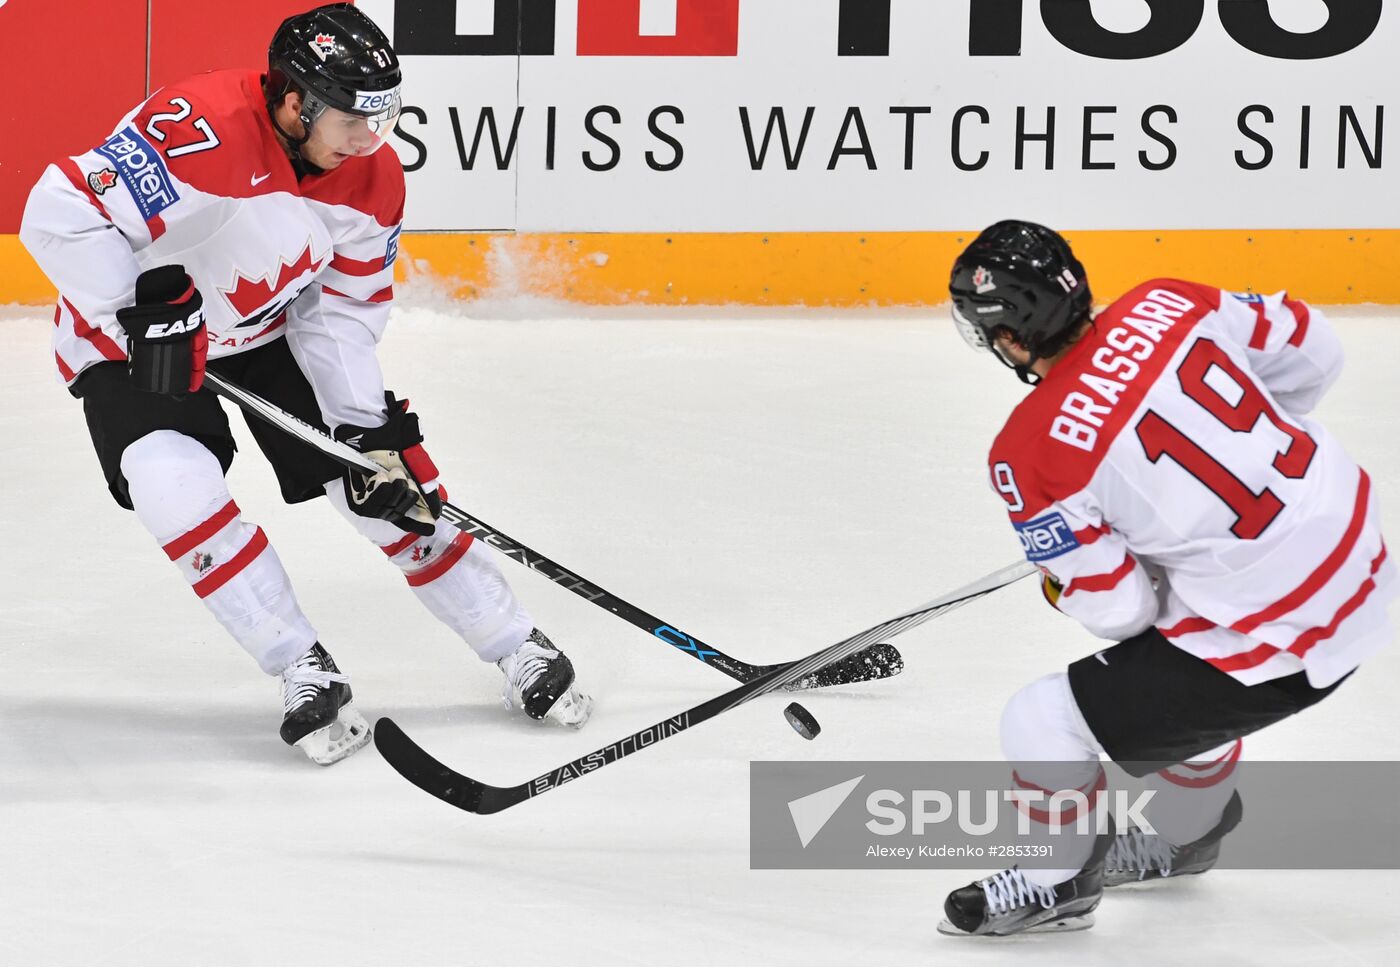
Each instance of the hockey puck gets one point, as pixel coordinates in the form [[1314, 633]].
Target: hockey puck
[[803, 722]]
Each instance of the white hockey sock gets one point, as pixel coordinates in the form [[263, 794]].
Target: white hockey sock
[[456, 578], [1190, 797], [177, 488], [1052, 752]]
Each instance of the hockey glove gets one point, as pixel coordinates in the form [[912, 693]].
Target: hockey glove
[[167, 343], [405, 492]]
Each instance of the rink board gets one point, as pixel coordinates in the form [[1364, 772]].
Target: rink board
[[842, 268]]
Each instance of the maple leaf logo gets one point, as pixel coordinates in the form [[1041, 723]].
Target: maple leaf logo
[[201, 562], [323, 45], [100, 181], [420, 553], [249, 295]]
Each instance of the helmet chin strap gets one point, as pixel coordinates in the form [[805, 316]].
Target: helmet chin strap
[[1023, 371], [300, 164]]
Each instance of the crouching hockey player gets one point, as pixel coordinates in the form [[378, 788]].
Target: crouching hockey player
[[249, 222], [1164, 475]]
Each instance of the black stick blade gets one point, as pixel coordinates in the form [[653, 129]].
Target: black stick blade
[[877, 661], [434, 778]]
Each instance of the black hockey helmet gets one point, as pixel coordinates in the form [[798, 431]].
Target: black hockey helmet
[[336, 57], [1021, 279]]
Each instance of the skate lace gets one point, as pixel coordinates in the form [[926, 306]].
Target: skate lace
[[1009, 889], [524, 667], [1136, 852], [303, 679]]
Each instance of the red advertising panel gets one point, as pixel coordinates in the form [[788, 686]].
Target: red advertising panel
[[187, 38], [75, 68], [704, 28]]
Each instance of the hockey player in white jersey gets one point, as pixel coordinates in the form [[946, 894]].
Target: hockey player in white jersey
[[249, 222], [1165, 476]]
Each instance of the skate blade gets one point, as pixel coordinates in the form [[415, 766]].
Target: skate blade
[[347, 734], [1068, 925], [573, 709]]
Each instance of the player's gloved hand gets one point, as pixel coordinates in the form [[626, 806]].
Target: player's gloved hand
[[166, 338], [406, 491], [1051, 587]]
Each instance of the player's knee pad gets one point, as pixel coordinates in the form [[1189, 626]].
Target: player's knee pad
[[1042, 722], [174, 482]]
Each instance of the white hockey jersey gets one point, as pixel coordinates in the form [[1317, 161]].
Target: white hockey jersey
[[1165, 473], [196, 176]]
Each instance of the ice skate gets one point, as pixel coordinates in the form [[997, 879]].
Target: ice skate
[[1138, 857], [540, 681], [319, 716], [1007, 903]]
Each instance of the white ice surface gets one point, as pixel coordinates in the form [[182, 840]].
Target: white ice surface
[[769, 484]]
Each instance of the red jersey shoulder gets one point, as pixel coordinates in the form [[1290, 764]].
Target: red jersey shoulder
[[1058, 436], [215, 134], [371, 184]]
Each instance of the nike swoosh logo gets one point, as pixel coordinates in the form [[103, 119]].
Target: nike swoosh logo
[[257, 181]]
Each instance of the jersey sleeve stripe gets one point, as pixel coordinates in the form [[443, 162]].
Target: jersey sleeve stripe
[[1188, 626], [71, 171], [383, 295], [1324, 571], [1301, 317], [222, 575], [343, 263], [191, 539], [1312, 637], [64, 369], [1262, 327], [460, 545], [99, 339], [1103, 582], [1308, 639], [1090, 534], [1245, 659]]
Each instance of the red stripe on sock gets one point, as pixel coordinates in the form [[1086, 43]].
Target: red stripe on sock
[[1204, 782], [1067, 811], [443, 564], [399, 546], [197, 535], [227, 572]]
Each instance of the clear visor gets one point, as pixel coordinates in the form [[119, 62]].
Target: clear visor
[[356, 133], [972, 333]]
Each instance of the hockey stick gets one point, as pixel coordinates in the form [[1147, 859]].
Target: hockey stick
[[879, 661], [436, 779]]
